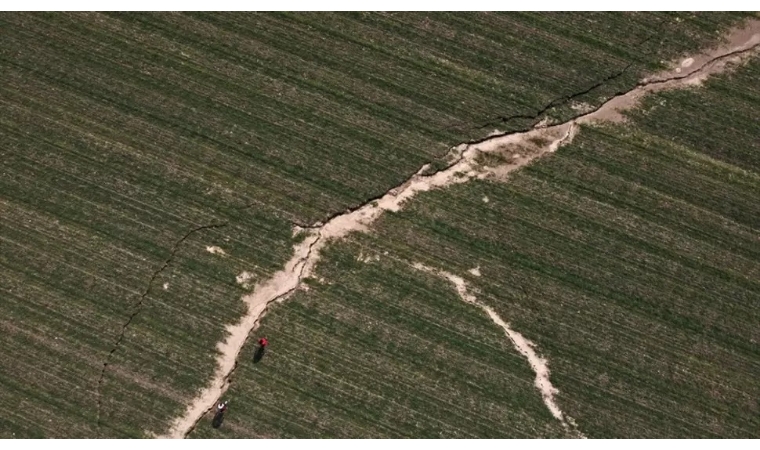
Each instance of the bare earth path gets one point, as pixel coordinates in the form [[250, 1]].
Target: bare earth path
[[520, 147]]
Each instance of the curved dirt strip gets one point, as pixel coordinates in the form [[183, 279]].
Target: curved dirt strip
[[521, 344], [516, 150]]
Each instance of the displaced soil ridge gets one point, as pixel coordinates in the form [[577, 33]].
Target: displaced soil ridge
[[137, 307], [525, 347], [513, 150]]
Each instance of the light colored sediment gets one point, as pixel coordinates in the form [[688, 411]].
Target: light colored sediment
[[244, 277], [692, 71], [525, 347], [515, 150], [736, 41], [280, 284], [213, 249]]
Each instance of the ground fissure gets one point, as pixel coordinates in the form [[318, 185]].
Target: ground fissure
[[523, 146], [137, 307]]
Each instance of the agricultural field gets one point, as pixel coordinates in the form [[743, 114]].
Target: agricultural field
[[631, 258], [154, 166]]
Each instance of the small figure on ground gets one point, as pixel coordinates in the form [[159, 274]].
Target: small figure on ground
[[219, 416], [260, 350]]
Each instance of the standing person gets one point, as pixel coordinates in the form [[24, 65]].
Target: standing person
[[260, 351], [219, 416]]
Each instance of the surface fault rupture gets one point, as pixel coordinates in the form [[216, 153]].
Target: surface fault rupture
[[138, 307], [517, 149]]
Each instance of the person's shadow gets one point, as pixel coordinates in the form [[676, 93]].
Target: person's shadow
[[218, 419], [259, 354]]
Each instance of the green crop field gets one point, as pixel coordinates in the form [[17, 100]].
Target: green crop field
[[631, 258], [135, 146]]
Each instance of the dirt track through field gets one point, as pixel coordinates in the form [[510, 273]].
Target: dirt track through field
[[526, 348], [515, 150]]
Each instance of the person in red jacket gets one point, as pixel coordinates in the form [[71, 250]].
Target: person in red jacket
[[260, 351]]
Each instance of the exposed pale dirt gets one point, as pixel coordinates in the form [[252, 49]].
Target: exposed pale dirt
[[297, 230], [243, 277], [216, 250], [280, 284], [521, 344], [691, 71], [368, 258], [736, 41], [522, 148]]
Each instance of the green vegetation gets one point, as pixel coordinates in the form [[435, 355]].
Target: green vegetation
[[373, 352], [131, 142], [630, 259]]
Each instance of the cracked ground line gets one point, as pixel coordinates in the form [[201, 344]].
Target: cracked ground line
[[565, 99], [259, 303], [556, 102], [280, 285], [137, 307], [525, 347], [743, 42]]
